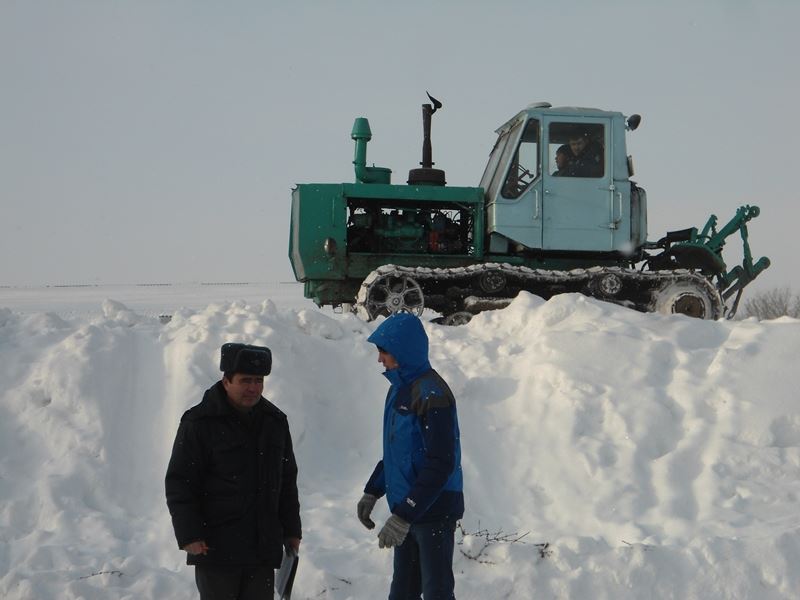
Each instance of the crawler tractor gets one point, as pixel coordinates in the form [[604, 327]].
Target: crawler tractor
[[556, 211]]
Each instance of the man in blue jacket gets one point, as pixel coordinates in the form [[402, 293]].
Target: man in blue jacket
[[421, 468]]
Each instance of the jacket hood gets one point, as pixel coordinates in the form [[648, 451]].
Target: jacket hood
[[403, 336]]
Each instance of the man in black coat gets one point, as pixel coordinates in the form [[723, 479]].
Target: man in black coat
[[588, 156], [232, 482]]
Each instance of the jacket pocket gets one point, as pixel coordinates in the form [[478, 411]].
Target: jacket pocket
[[222, 510]]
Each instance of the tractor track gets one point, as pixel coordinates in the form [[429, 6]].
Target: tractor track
[[465, 291]]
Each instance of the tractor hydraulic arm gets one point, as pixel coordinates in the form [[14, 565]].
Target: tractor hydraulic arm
[[735, 280]]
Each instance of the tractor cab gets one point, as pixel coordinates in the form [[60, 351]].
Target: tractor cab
[[558, 181]]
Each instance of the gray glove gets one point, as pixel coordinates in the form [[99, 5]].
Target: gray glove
[[394, 532], [364, 509]]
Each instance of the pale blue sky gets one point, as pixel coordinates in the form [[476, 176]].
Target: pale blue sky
[[156, 141]]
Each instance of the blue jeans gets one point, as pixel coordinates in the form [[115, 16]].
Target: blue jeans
[[423, 564]]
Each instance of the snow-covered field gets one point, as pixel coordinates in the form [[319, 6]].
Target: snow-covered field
[[656, 457]]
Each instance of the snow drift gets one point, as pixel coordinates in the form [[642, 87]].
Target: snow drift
[[606, 453]]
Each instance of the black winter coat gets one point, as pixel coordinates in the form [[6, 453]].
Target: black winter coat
[[232, 481], [590, 163]]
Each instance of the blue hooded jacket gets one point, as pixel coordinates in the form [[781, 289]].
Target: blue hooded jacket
[[421, 468]]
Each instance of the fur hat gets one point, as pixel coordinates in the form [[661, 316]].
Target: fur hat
[[242, 358]]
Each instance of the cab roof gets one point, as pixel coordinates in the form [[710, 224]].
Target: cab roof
[[545, 108]]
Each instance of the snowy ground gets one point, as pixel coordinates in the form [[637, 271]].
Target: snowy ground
[[657, 457], [147, 299]]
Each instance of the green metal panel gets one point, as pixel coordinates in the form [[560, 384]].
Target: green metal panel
[[416, 193], [319, 212]]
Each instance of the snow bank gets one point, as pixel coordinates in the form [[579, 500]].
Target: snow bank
[[607, 454]]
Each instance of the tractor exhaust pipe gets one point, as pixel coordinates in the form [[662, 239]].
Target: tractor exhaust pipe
[[427, 175]]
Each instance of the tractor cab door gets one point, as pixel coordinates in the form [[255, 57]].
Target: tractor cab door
[[513, 180], [580, 210]]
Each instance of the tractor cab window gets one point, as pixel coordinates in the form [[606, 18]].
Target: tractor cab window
[[493, 174], [576, 149], [524, 165]]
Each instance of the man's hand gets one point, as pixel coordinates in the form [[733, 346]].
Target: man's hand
[[364, 509], [198, 547], [291, 545], [394, 532]]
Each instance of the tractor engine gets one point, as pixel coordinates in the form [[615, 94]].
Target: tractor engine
[[406, 230]]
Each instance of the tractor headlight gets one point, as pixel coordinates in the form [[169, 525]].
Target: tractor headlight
[[329, 246]]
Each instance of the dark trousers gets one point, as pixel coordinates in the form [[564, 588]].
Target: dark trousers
[[423, 564], [235, 583]]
